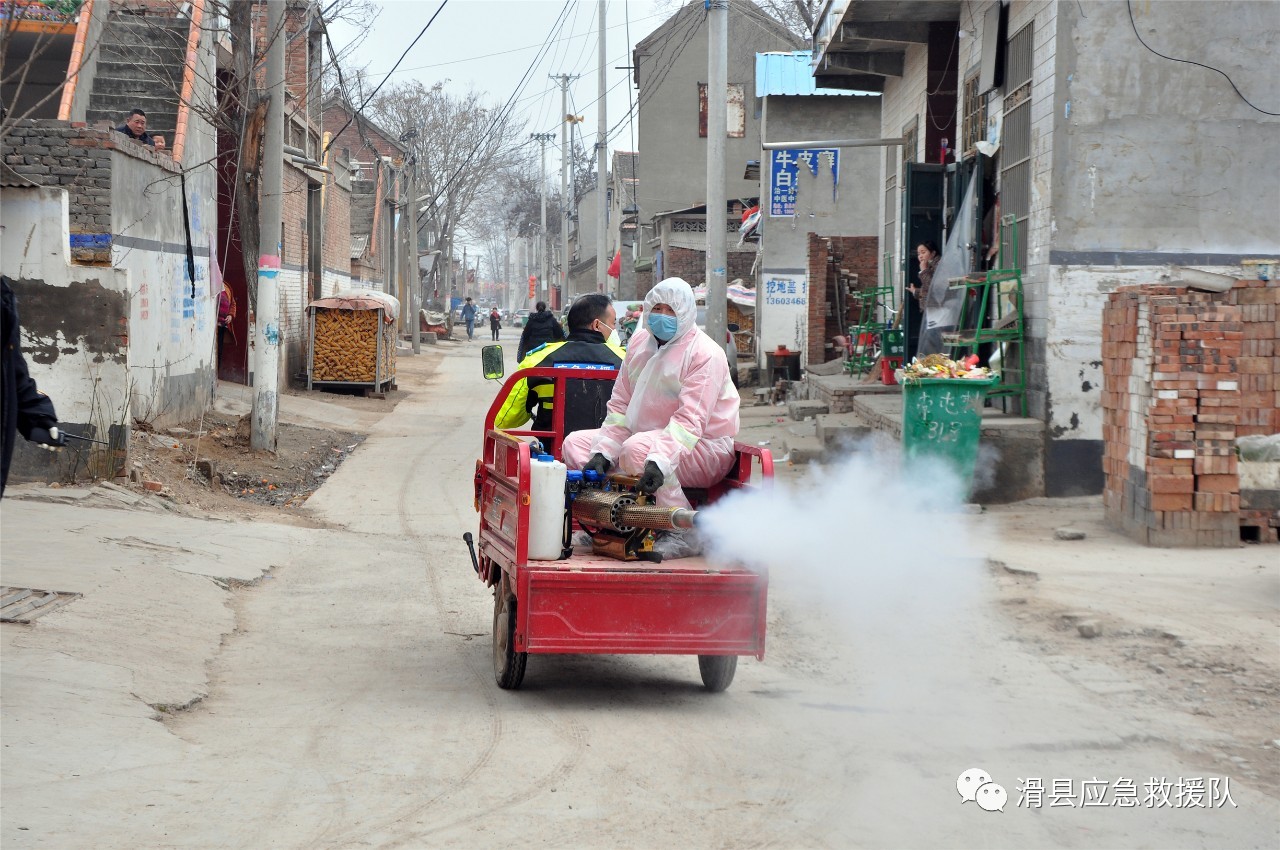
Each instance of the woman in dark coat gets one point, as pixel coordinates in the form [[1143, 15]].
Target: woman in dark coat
[[26, 409], [495, 323]]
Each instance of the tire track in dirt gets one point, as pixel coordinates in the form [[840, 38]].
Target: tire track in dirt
[[573, 733]]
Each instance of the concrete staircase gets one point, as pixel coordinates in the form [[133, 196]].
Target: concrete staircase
[[140, 66]]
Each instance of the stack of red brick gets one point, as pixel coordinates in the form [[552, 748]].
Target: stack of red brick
[[1186, 373]]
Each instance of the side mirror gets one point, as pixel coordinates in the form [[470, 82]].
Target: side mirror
[[733, 328], [491, 362]]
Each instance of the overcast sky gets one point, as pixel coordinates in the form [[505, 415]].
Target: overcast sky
[[459, 48]]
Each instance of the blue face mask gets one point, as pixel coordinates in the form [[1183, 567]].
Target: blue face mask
[[663, 327]]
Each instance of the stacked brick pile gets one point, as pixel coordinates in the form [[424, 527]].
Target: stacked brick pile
[[1186, 373]]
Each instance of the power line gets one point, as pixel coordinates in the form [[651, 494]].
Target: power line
[[514, 49], [626, 10], [555, 28], [416, 39], [584, 56], [1129, 6]]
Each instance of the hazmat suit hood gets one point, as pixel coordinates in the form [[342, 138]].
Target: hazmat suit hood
[[678, 295]]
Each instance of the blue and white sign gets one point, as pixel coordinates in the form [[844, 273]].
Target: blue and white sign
[[783, 314], [786, 291], [784, 167]]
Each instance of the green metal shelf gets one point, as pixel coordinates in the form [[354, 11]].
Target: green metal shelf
[[991, 313]]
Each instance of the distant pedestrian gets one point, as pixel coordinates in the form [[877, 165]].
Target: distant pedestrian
[[24, 407], [469, 316], [495, 323], [226, 315], [538, 328]]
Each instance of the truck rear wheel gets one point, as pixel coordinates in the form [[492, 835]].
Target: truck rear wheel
[[717, 671], [508, 665]]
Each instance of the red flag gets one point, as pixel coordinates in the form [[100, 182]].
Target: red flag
[[615, 266]]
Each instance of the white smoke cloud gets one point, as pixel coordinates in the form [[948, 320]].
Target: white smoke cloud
[[884, 553]]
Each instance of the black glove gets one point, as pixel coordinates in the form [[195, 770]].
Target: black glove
[[652, 478], [599, 464], [48, 438]]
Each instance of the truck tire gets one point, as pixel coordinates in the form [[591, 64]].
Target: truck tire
[[508, 665], [717, 671]]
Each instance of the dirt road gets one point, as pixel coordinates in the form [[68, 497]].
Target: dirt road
[[354, 706]]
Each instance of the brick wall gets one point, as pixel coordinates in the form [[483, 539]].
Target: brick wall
[[55, 153], [337, 229], [828, 255], [364, 142], [691, 264], [1184, 374], [644, 282], [295, 57]]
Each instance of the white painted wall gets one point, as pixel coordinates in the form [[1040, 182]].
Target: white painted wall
[[90, 387], [172, 323]]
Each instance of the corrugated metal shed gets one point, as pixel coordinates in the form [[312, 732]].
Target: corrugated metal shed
[[792, 74]]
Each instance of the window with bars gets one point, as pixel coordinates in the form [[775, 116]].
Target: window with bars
[[1015, 149], [973, 127]]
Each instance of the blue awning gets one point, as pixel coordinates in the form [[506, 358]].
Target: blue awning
[[792, 74]]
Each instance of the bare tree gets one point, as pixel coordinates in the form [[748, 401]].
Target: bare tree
[[796, 15], [462, 147]]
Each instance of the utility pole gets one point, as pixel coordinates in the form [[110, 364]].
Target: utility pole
[[266, 372], [463, 291], [717, 130], [566, 120], [602, 165], [408, 241], [415, 273], [542, 139]]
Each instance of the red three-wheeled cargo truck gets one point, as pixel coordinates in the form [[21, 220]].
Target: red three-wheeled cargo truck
[[613, 595]]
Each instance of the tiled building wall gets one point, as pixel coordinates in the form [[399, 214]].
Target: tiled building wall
[[1185, 374]]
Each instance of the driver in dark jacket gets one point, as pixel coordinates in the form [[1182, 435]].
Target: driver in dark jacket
[[593, 338], [541, 327]]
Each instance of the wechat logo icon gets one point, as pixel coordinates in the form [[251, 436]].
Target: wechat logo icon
[[975, 786]]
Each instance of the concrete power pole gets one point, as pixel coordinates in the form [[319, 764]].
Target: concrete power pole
[[563, 80], [542, 139], [602, 166], [266, 372], [717, 129], [415, 273]]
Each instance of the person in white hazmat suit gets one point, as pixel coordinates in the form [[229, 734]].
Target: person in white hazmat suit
[[673, 414]]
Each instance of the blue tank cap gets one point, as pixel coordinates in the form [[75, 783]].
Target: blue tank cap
[[591, 475], [573, 475]]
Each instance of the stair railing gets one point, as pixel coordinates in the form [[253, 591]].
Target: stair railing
[[76, 64], [188, 79]]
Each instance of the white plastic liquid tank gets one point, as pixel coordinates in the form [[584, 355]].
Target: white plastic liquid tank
[[546, 508]]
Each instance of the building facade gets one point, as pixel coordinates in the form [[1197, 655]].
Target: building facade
[[670, 68], [806, 191], [1116, 164]]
